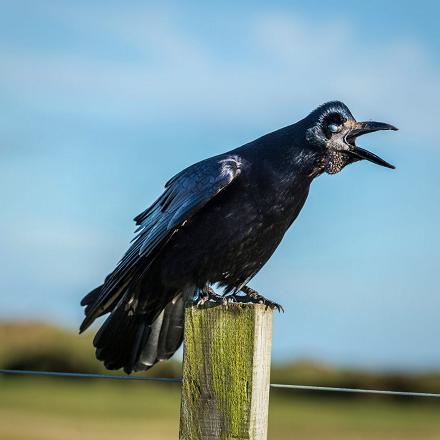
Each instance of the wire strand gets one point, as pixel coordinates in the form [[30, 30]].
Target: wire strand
[[89, 375], [176, 380], [355, 390]]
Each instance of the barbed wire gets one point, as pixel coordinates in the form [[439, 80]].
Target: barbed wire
[[178, 379]]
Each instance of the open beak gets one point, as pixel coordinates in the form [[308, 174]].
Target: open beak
[[358, 153]]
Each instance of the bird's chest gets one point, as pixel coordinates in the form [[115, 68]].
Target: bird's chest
[[247, 231], [251, 218], [233, 237]]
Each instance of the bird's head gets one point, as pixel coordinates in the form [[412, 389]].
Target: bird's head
[[333, 130]]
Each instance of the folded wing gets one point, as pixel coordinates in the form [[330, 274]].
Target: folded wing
[[185, 194]]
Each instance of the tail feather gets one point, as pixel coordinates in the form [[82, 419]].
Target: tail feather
[[135, 341], [146, 354], [171, 335], [165, 337], [112, 339]]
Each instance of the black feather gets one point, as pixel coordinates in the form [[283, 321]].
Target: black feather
[[217, 221]]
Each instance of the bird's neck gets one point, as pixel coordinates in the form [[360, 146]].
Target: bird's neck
[[291, 155]]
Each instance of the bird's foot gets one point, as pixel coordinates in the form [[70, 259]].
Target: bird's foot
[[208, 295], [253, 297]]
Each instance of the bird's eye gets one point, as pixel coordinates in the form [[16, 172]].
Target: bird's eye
[[334, 128]]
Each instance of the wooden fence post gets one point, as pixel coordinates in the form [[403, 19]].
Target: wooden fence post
[[226, 372]]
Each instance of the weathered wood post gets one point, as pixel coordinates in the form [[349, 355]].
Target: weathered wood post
[[226, 372]]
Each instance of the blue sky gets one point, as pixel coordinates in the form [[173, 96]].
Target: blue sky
[[101, 102]]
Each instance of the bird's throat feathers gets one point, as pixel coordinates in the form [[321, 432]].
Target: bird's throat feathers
[[291, 154]]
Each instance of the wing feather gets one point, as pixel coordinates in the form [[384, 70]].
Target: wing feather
[[185, 195]]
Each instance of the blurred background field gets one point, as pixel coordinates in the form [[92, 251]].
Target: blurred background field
[[35, 408], [52, 409], [102, 102]]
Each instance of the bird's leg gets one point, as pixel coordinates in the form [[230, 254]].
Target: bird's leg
[[208, 294], [253, 296]]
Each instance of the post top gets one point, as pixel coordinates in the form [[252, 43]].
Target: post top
[[231, 307]]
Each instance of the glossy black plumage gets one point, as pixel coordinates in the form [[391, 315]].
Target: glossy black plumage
[[218, 221]]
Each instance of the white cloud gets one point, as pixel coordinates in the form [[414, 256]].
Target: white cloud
[[287, 65]]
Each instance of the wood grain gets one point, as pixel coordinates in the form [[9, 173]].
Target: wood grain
[[226, 372]]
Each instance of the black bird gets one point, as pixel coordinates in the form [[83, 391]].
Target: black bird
[[217, 222]]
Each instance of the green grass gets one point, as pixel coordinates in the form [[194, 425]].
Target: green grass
[[34, 408], [49, 409]]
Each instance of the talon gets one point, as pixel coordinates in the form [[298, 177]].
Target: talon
[[202, 301], [254, 297], [207, 296]]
